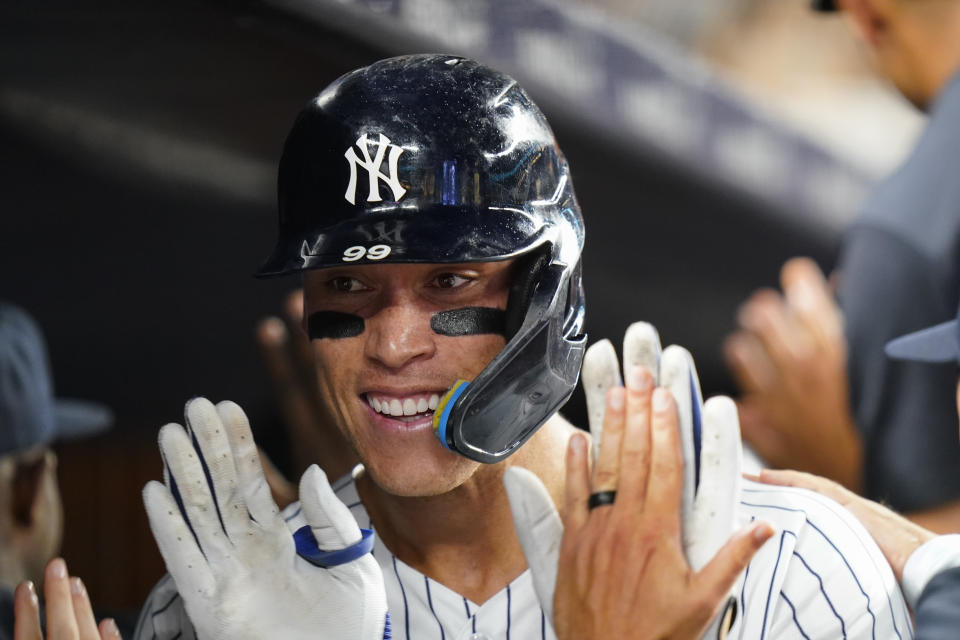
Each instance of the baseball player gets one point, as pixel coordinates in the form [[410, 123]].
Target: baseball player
[[432, 216]]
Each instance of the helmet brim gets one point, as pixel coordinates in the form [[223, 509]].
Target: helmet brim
[[416, 236]]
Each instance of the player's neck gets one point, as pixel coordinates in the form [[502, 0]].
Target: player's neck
[[465, 539]]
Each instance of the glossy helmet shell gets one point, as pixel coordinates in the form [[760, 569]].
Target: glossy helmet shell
[[439, 159]]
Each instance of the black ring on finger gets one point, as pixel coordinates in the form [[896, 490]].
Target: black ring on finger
[[601, 498]]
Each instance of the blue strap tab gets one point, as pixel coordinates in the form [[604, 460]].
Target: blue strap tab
[[442, 413], [308, 550]]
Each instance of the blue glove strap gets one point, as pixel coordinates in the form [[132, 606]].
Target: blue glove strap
[[308, 550]]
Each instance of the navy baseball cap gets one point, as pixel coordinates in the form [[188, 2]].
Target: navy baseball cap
[[939, 343], [29, 414]]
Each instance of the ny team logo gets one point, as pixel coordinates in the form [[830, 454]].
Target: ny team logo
[[373, 166]]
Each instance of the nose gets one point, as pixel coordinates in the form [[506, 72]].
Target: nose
[[399, 334]]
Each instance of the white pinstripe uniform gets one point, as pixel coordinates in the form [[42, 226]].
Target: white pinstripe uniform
[[820, 577]]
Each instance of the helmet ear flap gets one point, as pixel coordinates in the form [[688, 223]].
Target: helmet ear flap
[[526, 273], [534, 374]]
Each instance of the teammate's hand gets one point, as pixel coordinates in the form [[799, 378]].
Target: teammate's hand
[[622, 571], [230, 552], [711, 451], [708, 515], [789, 358], [896, 536], [288, 360], [68, 610]]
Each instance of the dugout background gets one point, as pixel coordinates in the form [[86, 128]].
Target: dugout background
[[138, 145]]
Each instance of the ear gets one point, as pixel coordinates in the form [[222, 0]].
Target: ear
[[26, 487], [871, 18]]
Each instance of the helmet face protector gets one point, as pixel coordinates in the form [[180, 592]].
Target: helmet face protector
[[438, 159]]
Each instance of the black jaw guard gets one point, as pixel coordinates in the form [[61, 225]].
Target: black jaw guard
[[529, 380]]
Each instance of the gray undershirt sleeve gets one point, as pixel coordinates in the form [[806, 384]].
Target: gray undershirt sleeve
[[906, 412]]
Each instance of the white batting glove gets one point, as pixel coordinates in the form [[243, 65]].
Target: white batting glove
[[710, 436], [712, 430], [235, 562]]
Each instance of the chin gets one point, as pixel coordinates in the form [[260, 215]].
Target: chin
[[420, 475]]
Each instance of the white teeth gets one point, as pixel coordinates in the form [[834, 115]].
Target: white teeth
[[404, 407]]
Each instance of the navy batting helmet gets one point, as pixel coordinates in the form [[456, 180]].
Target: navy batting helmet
[[439, 159]]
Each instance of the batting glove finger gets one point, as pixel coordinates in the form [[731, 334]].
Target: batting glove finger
[[600, 372], [252, 483], [539, 530], [678, 374], [209, 438], [333, 526], [188, 476], [718, 496], [179, 549], [641, 347]]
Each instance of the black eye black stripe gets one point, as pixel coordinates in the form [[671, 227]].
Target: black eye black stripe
[[333, 324], [469, 321]]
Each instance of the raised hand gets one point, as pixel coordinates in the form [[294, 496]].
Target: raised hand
[[68, 610], [705, 517], [288, 360], [711, 451], [623, 572], [790, 359], [235, 562]]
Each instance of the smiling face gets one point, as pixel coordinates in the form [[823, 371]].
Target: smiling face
[[381, 378]]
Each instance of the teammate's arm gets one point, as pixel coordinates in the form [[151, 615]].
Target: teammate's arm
[[896, 536], [927, 565], [823, 577], [789, 358]]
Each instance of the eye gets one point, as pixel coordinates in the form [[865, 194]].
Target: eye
[[346, 284], [450, 281]]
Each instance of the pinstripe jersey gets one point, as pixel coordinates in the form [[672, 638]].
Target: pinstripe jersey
[[820, 577]]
